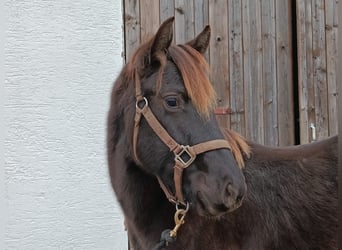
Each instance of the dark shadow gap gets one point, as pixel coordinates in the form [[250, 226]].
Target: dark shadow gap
[[295, 74]]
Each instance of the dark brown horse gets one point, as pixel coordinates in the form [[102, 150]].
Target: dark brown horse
[[238, 195]]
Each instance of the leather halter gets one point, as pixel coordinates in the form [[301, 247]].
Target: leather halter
[[184, 155]]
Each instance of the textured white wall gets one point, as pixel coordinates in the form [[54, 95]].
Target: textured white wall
[[61, 58]]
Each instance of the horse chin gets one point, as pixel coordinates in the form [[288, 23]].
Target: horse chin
[[214, 211]]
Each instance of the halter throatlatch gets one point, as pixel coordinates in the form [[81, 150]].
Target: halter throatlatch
[[184, 155]]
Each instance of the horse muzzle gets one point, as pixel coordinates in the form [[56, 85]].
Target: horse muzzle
[[213, 199]]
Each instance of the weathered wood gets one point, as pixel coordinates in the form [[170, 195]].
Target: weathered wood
[[218, 20], [305, 69], [201, 18], [132, 26], [319, 69], [253, 85], [251, 60], [149, 18], [331, 52], [309, 66], [237, 104], [302, 34], [284, 73], [201, 14], [167, 9], [269, 72], [184, 21]]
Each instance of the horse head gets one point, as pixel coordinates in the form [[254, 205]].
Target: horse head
[[172, 80]]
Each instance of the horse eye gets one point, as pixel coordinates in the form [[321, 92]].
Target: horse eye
[[171, 102]]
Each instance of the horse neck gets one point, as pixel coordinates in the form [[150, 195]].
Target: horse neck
[[146, 209]]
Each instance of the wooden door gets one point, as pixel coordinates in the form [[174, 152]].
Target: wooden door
[[268, 61]]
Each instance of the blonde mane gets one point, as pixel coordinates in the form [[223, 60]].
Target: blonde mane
[[194, 70], [239, 146]]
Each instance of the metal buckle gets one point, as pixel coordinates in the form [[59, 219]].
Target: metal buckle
[[185, 150]]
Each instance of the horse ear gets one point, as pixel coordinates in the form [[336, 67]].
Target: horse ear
[[162, 39], [201, 42]]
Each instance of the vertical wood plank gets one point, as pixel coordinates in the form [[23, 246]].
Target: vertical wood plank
[[331, 55], [284, 73], [201, 17], [167, 9], [309, 66], [237, 104], [219, 66], [149, 18], [132, 26], [269, 77], [319, 69], [253, 87], [184, 21], [302, 34]]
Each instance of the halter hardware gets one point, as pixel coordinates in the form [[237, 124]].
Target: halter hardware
[[179, 219], [185, 157], [142, 100]]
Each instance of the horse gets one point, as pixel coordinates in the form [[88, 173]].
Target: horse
[[185, 183]]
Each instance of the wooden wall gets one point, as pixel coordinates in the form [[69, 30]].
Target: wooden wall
[[253, 62], [317, 57]]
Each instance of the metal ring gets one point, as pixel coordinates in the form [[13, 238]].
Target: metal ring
[[186, 208], [140, 100]]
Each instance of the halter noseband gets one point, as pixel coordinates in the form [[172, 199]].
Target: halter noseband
[[184, 155]]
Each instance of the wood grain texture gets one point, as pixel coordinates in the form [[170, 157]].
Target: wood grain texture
[[269, 72], [320, 69], [331, 54], [284, 73], [236, 76], [303, 76], [317, 47], [201, 18], [219, 66], [132, 26], [167, 9], [149, 18], [251, 60], [253, 84], [305, 71]]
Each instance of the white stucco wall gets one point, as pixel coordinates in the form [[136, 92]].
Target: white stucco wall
[[61, 58]]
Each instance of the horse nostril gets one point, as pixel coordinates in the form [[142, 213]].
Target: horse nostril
[[232, 195], [239, 198], [228, 190], [231, 189]]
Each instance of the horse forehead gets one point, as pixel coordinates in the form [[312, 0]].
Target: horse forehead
[[172, 76], [171, 81]]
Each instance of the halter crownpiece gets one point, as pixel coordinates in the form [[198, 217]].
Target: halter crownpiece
[[184, 154]]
